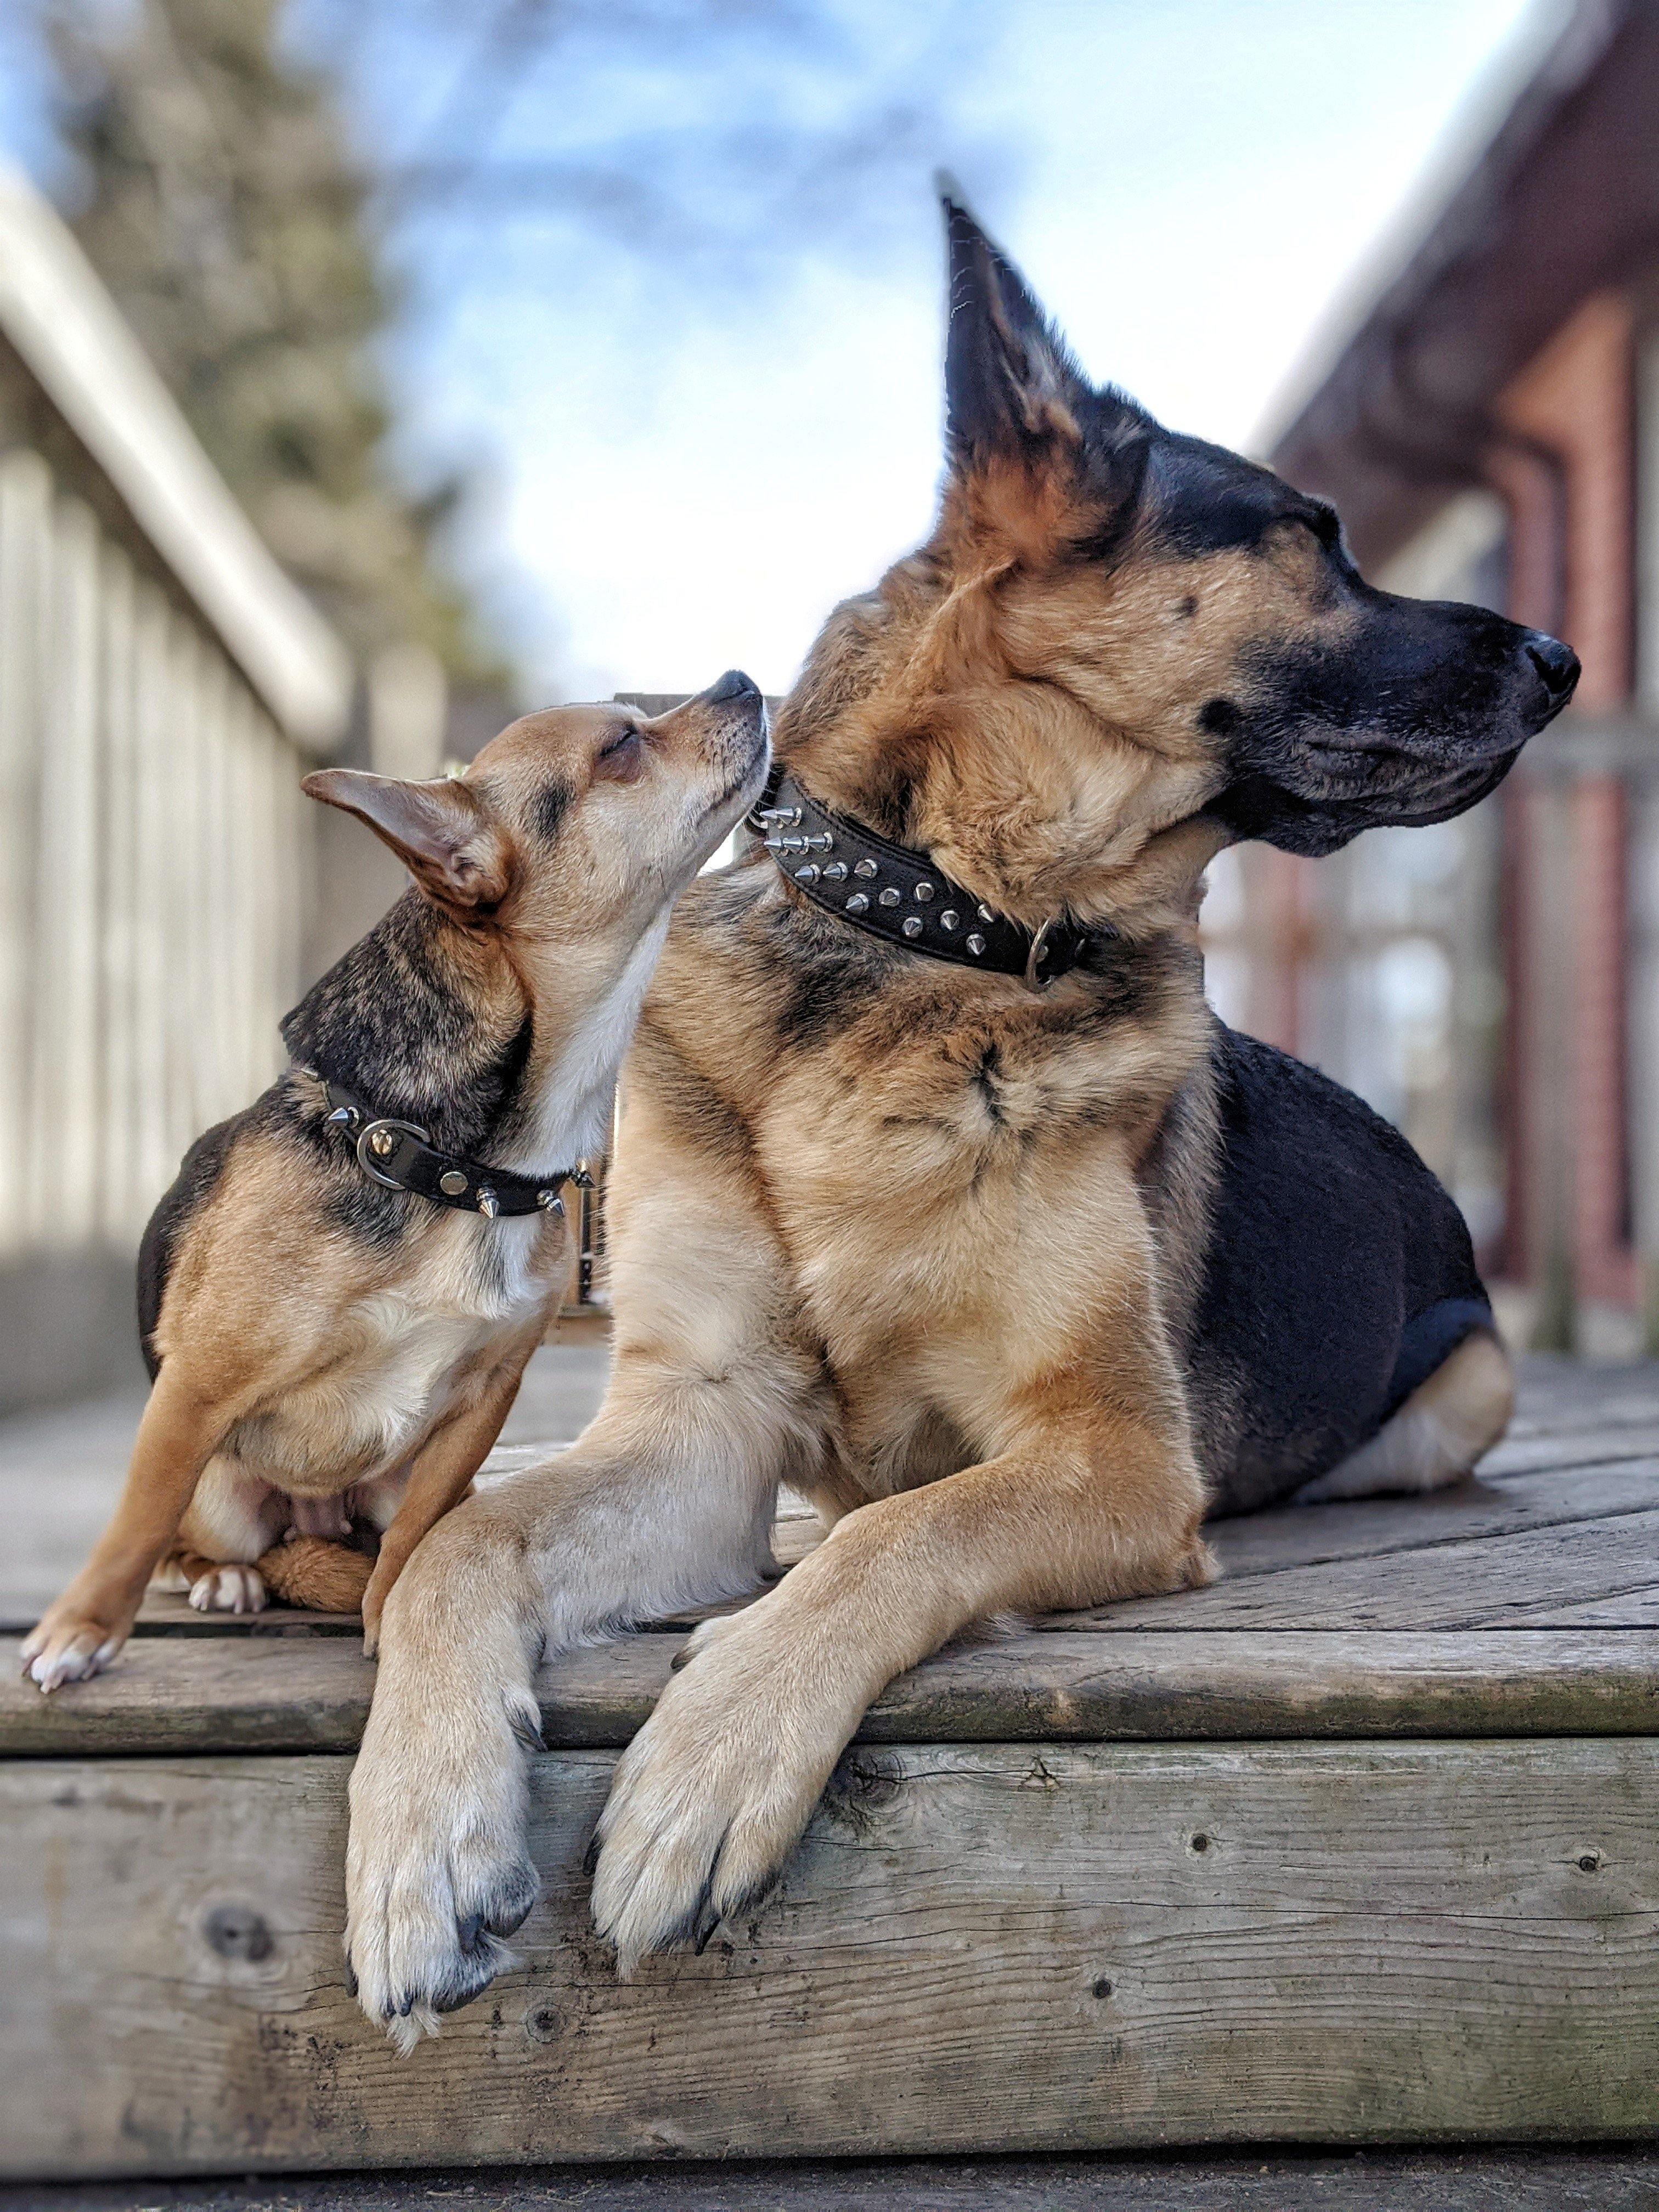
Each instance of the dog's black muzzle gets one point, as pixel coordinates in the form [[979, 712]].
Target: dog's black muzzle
[[1418, 715]]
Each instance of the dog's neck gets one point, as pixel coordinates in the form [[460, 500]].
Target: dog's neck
[[879, 729], [589, 1000], [502, 1054]]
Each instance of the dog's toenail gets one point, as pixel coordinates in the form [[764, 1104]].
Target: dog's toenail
[[468, 1930]]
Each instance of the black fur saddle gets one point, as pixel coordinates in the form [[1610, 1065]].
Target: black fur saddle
[[1340, 1274]]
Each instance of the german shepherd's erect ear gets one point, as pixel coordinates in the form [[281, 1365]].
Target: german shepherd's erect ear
[[1026, 430], [1010, 383], [458, 854]]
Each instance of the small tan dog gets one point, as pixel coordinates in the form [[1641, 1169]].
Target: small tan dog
[[338, 1295]]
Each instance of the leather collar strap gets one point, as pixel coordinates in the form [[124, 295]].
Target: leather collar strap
[[894, 892], [401, 1156]]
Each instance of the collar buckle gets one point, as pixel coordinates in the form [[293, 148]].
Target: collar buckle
[[1035, 981], [378, 1145]]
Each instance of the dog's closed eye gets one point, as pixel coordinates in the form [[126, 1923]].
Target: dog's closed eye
[[622, 757]]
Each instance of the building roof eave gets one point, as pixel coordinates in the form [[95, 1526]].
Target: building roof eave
[[1562, 195]]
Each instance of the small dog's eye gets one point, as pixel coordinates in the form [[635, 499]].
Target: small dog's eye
[[621, 759]]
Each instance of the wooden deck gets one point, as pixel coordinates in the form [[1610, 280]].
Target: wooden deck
[[1360, 1845]]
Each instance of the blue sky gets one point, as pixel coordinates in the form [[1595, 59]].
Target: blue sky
[[674, 270]]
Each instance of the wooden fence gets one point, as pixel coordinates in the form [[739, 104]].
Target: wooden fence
[[161, 686], [153, 880]]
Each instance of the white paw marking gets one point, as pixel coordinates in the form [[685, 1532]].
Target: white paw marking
[[435, 1866], [229, 1589], [73, 1655]]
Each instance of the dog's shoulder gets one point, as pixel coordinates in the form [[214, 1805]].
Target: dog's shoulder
[[201, 1177]]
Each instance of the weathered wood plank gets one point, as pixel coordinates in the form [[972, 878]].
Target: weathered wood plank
[[238, 1696], [1255, 1544], [1593, 1397], [984, 1948], [1632, 1609], [1306, 1535], [1557, 1394], [1485, 1583], [1593, 1445]]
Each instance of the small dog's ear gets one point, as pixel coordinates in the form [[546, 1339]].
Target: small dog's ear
[[1010, 383], [443, 834]]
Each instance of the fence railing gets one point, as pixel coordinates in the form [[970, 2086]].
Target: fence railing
[[154, 877]]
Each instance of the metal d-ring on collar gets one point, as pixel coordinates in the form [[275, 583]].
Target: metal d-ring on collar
[[891, 891], [402, 1155]]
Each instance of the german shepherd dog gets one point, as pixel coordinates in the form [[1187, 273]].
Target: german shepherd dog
[[1016, 1275], [338, 1295]]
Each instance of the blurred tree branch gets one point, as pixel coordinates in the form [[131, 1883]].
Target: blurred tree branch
[[218, 200], [706, 149]]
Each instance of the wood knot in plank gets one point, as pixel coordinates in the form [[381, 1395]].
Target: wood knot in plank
[[237, 1931]]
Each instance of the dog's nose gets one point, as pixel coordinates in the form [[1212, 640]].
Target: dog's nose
[[734, 685], [1557, 663]]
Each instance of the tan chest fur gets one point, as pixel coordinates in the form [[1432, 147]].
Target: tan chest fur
[[401, 1369], [953, 1178], [374, 1359]]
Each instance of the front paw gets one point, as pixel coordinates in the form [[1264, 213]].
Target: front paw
[[436, 1871], [70, 1645], [712, 1795]]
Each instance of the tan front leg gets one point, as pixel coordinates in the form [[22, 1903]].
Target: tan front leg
[[666, 1500], [82, 1632], [1088, 1503], [442, 1473]]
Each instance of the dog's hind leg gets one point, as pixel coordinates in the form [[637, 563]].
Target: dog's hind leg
[[234, 1517], [1436, 1435], [212, 1585]]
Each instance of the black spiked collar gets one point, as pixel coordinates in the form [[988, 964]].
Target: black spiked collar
[[401, 1155], [893, 892]]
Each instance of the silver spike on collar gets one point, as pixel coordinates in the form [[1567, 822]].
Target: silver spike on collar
[[891, 891]]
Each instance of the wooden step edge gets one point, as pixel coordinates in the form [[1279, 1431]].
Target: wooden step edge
[[202, 1699]]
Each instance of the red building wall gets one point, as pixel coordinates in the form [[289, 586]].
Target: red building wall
[[1572, 569]]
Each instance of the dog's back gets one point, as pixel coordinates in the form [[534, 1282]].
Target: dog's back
[[202, 1167], [1339, 1277]]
